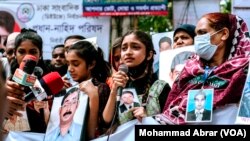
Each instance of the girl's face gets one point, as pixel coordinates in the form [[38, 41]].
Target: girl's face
[[117, 57], [77, 67], [26, 47], [133, 52]]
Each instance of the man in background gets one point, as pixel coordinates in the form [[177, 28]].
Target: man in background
[[10, 46], [58, 61]]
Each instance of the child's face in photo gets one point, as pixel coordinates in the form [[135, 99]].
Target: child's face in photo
[[77, 67], [133, 52]]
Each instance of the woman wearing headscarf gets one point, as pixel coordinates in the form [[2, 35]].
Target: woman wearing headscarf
[[222, 46], [184, 35]]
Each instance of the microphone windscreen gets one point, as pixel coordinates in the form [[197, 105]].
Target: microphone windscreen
[[123, 68], [28, 63], [53, 82], [38, 72]]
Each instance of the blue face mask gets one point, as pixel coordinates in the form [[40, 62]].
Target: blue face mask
[[203, 46]]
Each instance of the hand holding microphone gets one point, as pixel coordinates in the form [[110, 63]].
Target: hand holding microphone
[[22, 79], [123, 68], [50, 84], [120, 78], [26, 80]]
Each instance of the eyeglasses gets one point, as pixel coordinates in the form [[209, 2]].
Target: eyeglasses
[[67, 104]]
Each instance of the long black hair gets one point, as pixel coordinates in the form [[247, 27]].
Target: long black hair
[[88, 52], [30, 34]]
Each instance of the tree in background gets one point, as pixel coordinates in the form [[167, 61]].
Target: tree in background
[[225, 6], [157, 23]]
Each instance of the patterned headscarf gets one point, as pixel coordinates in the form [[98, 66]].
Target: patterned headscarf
[[227, 80]]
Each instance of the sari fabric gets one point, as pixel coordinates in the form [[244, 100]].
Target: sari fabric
[[227, 80]]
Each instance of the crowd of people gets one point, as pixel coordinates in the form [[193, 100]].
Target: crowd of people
[[220, 62]]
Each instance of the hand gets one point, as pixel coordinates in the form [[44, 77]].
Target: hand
[[89, 88], [176, 111], [120, 79], [41, 105], [15, 100], [4, 131], [66, 82], [139, 113]]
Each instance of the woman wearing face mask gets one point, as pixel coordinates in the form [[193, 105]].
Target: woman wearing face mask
[[222, 46]]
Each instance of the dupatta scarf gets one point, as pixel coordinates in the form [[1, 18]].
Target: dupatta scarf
[[227, 80]]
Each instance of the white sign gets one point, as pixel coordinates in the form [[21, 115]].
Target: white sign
[[54, 20], [242, 8], [166, 59]]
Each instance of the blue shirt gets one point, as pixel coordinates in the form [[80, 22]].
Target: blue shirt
[[73, 134]]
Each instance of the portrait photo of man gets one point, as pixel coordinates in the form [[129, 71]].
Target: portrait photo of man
[[199, 106], [244, 107], [178, 64], [128, 101], [243, 116], [68, 129]]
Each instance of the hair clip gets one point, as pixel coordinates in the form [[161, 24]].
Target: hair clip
[[93, 41]]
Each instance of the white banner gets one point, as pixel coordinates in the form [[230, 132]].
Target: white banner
[[125, 132], [23, 136], [54, 20]]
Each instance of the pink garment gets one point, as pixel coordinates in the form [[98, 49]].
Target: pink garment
[[227, 79]]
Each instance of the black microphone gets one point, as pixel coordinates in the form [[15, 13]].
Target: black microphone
[[123, 68], [38, 72]]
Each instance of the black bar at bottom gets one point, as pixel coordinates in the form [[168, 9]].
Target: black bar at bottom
[[194, 132]]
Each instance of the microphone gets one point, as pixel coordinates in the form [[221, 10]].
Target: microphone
[[22, 74], [28, 64], [123, 68], [50, 84], [38, 71]]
